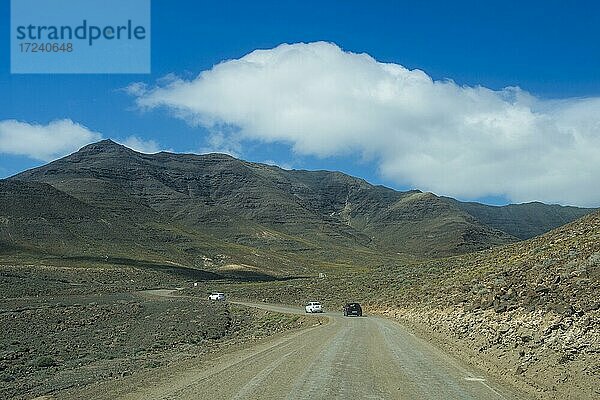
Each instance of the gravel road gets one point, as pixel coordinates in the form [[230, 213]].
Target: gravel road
[[347, 358]]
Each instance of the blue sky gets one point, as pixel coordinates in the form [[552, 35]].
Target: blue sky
[[549, 49]]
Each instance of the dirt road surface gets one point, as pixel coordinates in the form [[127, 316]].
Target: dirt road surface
[[347, 358]]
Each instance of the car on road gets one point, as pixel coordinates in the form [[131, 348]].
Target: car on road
[[314, 307], [218, 296], [351, 309]]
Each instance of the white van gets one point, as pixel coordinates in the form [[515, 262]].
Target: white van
[[217, 296], [313, 307]]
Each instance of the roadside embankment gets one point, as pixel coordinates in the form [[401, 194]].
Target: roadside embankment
[[548, 355]]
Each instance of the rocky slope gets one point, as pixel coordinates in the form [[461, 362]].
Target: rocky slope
[[530, 309], [533, 219]]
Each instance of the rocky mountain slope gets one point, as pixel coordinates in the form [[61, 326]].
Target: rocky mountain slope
[[530, 308], [185, 204], [523, 220]]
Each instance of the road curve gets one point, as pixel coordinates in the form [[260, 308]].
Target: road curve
[[347, 358]]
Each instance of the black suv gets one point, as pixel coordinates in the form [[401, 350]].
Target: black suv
[[352, 309]]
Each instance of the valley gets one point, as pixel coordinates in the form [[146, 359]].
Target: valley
[[87, 240]]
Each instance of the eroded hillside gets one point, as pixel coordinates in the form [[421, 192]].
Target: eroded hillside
[[531, 309]]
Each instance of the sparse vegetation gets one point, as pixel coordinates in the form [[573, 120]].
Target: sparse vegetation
[[43, 362], [69, 327], [82, 238]]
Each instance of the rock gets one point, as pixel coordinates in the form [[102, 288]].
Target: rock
[[542, 289], [525, 335], [563, 309], [552, 328], [501, 307], [592, 306]]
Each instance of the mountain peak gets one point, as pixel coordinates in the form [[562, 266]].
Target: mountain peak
[[106, 145]]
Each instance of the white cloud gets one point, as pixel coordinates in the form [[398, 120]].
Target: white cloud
[[220, 142], [141, 145], [57, 139], [44, 142], [456, 140]]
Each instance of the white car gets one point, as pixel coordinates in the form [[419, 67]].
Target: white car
[[217, 296], [314, 307]]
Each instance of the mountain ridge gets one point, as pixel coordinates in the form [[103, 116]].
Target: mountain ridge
[[266, 207]]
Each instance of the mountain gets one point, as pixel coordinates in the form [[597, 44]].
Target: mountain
[[36, 217], [558, 271], [180, 206], [523, 221]]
